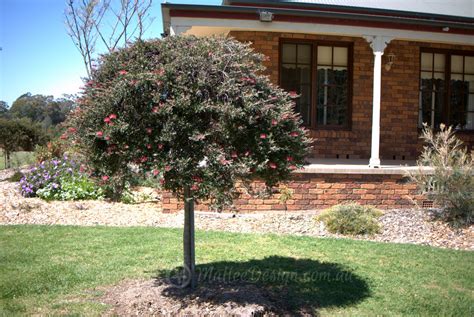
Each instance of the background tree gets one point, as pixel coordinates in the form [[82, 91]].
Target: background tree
[[195, 112], [19, 134], [4, 109], [42, 109], [113, 22]]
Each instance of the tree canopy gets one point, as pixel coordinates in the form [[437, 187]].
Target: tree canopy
[[41, 109], [196, 111]]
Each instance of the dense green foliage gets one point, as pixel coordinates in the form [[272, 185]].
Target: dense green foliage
[[44, 110], [194, 111], [59, 179], [450, 182], [351, 219], [60, 270], [19, 134]]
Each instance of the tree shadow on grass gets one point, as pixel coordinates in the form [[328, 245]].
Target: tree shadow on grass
[[283, 285]]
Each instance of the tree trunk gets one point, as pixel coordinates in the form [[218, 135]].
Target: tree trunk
[[188, 241]]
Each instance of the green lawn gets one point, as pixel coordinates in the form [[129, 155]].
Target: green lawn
[[54, 269], [18, 159]]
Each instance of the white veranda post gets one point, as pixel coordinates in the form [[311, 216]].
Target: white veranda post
[[378, 44]]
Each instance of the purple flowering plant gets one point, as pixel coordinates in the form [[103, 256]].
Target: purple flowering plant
[[59, 179]]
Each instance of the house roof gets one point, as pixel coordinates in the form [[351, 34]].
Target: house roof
[[299, 11], [462, 8]]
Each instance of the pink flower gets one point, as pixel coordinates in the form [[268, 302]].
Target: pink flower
[[194, 187], [105, 178], [143, 159], [272, 165], [160, 146], [293, 94], [247, 153], [197, 179], [160, 71], [154, 109], [156, 172], [292, 167], [107, 138], [149, 130], [234, 155], [274, 122], [148, 146], [123, 72], [289, 159], [263, 136], [99, 134], [72, 130], [113, 116], [294, 133], [63, 136], [223, 161], [107, 120]]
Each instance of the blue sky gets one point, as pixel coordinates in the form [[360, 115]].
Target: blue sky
[[38, 56]]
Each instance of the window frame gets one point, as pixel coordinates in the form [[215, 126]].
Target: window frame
[[446, 112], [314, 85]]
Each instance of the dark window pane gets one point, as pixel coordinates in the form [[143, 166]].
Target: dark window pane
[[332, 98], [459, 103], [288, 53]]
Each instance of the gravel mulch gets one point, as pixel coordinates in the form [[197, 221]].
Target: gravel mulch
[[399, 226]]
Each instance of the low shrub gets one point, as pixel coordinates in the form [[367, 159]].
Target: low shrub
[[59, 179], [16, 177], [352, 219], [450, 182], [53, 149]]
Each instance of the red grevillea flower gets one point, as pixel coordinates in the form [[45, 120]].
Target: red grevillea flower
[[123, 72], [234, 155], [289, 159], [155, 172], [154, 109], [107, 120], [160, 146], [107, 138], [148, 146], [99, 134], [263, 136], [292, 167], [194, 187], [105, 178], [197, 179], [72, 130], [247, 153], [272, 165], [293, 94], [113, 116], [149, 130], [63, 137], [294, 133], [274, 122], [143, 159]]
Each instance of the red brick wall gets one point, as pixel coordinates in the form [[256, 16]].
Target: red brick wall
[[318, 191], [399, 106]]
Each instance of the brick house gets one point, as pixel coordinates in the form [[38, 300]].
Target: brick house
[[368, 74]]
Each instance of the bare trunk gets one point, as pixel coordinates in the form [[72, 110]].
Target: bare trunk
[[188, 241]]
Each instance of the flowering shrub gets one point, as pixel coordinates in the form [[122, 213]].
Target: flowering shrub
[[59, 179], [195, 112]]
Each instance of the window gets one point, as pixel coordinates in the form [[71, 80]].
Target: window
[[320, 74], [447, 89]]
